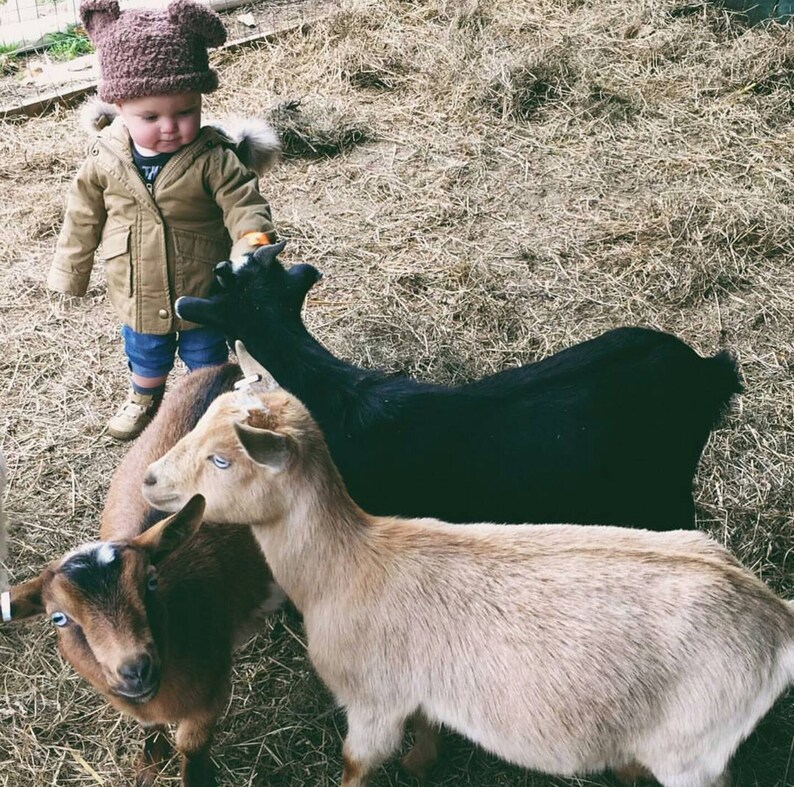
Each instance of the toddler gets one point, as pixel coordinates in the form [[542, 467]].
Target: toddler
[[162, 197]]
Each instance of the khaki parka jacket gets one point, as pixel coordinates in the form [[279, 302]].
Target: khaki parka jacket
[[161, 245]]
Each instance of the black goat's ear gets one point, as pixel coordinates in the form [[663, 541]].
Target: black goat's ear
[[204, 311], [24, 600], [266, 448], [265, 255], [164, 537], [304, 277]]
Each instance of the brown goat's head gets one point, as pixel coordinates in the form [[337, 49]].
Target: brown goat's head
[[241, 455], [104, 601]]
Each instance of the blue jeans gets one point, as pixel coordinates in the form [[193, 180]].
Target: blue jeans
[[152, 355]]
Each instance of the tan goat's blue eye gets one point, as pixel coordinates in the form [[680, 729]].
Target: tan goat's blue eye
[[59, 619], [220, 462]]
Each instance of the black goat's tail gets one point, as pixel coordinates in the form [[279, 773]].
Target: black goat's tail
[[721, 383]]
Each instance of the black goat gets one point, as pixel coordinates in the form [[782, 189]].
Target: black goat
[[609, 431]]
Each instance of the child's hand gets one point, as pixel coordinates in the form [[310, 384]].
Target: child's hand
[[256, 239]]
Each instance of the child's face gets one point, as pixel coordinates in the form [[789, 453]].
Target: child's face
[[162, 124]]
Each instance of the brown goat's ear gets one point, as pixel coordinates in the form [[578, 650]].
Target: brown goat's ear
[[251, 366], [264, 447], [26, 599], [164, 537]]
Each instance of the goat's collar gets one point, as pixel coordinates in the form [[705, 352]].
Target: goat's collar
[[5, 606]]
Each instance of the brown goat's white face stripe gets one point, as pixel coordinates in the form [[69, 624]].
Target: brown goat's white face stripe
[[102, 553], [94, 568]]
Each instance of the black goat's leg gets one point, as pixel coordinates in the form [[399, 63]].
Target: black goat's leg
[[633, 774], [424, 752], [156, 750]]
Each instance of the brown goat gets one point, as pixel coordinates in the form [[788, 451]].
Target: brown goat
[[151, 614], [566, 649]]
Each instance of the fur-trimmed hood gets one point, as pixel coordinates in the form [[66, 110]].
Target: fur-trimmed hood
[[255, 142]]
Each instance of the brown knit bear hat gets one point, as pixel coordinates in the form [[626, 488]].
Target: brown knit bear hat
[[144, 52]]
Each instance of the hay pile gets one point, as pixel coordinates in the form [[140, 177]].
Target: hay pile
[[483, 182]]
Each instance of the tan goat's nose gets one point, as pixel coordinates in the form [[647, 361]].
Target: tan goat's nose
[[149, 479]]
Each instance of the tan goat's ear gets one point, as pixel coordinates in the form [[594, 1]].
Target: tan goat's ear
[[25, 600], [251, 367], [266, 448], [164, 537]]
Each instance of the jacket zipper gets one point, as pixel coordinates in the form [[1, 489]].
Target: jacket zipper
[[182, 154], [170, 164], [130, 165]]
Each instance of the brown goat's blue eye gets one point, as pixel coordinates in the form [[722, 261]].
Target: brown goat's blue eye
[[151, 582], [59, 619], [220, 462]]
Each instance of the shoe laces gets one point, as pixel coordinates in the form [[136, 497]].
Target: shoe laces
[[134, 409]]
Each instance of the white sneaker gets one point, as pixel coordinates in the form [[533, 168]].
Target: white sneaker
[[133, 416]]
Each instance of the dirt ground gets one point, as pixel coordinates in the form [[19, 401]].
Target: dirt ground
[[483, 182]]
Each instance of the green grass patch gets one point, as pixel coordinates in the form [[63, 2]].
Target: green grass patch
[[69, 44]]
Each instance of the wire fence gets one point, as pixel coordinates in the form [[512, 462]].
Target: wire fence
[[25, 24]]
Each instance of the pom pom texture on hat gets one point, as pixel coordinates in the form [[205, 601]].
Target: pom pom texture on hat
[[145, 52]]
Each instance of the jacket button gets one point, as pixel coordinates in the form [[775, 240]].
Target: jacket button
[[163, 314]]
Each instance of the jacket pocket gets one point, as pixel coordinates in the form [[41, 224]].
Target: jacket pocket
[[196, 256], [202, 248], [114, 251]]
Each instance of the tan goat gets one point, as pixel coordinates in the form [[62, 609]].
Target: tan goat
[[566, 649]]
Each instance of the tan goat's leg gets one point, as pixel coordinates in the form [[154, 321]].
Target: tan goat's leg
[[193, 739], [372, 737], [424, 752], [156, 750]]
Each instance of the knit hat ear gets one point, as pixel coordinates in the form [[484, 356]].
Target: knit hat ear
[[153, 52], [199, 19], [98, 16]]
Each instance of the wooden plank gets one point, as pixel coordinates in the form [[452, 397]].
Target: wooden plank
[[45, 102]]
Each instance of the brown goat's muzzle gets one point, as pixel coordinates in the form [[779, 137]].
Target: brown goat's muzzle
[[138, 678]]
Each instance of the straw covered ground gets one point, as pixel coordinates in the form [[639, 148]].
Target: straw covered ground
[[483, 182]]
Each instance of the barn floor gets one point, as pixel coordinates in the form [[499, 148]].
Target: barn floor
[[483, 182]]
